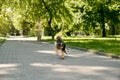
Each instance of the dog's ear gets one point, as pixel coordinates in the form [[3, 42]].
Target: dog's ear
[[58, 37]]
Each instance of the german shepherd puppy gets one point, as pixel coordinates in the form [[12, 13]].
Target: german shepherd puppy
[[60, 45]]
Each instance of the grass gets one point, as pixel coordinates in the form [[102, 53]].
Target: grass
[[2, 39], [107, 45]]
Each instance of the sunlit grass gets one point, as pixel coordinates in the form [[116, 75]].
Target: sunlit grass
[[107, 45], [102, 45], [2, 39]]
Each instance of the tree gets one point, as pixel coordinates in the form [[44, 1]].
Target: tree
[[64, 15], [50, 10], [99, 11], [56, 10]]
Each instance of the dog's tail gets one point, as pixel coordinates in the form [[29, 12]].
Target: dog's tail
[[67, 50]]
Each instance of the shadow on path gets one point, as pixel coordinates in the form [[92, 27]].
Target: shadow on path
[[31, 60]]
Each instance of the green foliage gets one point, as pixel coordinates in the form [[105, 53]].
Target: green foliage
[[4, 26], [88, 16], [94, 12]]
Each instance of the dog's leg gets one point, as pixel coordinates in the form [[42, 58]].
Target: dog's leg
[[62, 54], [56, 51]]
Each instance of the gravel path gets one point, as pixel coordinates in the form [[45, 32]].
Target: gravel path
[[26, 59]]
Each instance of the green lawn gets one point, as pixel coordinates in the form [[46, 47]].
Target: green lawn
[[2, 39], [107, 45]]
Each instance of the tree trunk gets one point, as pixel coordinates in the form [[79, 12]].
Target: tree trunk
[[103, 21], [49, 25], [112, 30], [50, 21], [103, 31]]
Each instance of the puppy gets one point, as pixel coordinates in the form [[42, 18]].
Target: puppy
[[60, 45]]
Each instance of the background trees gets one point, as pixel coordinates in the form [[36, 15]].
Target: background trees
[[60, 17], [97, 13]]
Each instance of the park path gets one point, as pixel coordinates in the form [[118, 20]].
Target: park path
[[26, 59]]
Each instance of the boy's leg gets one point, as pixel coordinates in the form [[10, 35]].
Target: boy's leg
[[37, 38], [40, 35], [40, 38]]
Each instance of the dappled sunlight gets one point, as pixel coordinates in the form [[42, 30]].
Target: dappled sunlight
[[7, 68], [86, 70], [46, 51], [27, 60], [79, 55], [62, 70], [42, 65], [21, 38], [8, 65]]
